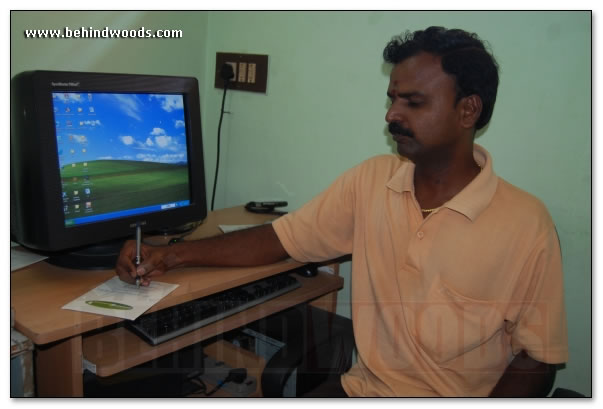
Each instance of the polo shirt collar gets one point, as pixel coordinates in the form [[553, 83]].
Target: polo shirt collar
[[470, 201]]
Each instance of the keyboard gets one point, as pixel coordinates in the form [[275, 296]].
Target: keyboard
[[163, 325]]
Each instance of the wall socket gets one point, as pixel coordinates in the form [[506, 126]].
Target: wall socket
[[251, 71]]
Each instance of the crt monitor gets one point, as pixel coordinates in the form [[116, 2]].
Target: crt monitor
[[93, 154]]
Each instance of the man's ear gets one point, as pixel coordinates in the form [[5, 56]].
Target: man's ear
[[470, 110]]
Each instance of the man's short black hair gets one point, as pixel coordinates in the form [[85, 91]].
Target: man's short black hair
[[463, 56]]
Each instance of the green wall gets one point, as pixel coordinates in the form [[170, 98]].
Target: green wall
[[324, 108], [174, 56]]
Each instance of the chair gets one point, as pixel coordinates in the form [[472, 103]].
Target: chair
[[317, 344]]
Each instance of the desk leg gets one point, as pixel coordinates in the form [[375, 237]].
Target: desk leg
[[59, 369]]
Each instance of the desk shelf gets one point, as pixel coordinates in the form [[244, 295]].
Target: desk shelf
[[119, 349]]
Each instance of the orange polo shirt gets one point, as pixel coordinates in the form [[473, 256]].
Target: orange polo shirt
[[440, 305]]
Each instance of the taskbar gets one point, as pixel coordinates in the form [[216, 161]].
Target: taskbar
[[124, 213]]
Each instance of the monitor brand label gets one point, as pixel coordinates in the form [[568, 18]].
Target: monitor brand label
[[65, 84]]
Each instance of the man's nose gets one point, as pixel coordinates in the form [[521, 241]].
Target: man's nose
[[393, 114]]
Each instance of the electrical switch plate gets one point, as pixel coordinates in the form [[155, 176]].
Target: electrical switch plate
[[250, 71]]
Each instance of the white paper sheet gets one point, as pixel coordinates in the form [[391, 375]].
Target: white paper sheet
[[120, 299], [20, 257], [227, 228]]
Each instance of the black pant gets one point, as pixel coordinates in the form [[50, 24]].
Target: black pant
[[331, 388]]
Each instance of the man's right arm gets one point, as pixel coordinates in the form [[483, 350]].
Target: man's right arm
[[250, 247]]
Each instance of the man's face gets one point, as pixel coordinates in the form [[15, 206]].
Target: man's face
[[422, 117]]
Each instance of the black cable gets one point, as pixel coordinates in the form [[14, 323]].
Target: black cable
[[214, 390], [195, 378], [237, 375], [227, 73], [213, 196]]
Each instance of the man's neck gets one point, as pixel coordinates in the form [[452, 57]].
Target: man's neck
[[438, 181]]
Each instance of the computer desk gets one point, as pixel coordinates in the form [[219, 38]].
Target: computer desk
[[67, 342]]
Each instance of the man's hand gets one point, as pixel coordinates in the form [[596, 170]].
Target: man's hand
[[244, 248], [153, 263]]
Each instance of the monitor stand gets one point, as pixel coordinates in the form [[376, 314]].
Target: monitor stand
[[168, 231], [102, 256]]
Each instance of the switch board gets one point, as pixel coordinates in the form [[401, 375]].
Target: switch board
[[250, 71]]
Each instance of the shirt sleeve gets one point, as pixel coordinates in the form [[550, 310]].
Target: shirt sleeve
[[323, 228], [540, 327]]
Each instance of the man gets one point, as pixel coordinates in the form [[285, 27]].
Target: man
[[456, 274]]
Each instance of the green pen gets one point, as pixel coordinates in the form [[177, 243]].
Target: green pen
[[109, 304]]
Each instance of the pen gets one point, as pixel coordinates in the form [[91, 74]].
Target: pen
[[137, 260]]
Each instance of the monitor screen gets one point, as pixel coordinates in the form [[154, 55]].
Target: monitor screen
[[120, 154]]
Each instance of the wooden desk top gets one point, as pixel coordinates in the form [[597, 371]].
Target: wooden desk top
[[39, 291]]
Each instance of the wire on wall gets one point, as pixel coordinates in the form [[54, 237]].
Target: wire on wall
[[227, 74]]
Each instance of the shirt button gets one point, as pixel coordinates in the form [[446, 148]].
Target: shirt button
[[420, 234]]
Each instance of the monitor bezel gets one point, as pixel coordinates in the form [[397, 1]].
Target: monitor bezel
[[62, 237]]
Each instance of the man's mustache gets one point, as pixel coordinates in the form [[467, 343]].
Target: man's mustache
[[396, 129]]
